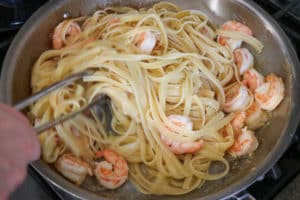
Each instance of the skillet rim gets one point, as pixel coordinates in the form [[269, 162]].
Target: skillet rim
[[273, 157]]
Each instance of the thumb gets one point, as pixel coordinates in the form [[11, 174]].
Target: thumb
[[23, 133]]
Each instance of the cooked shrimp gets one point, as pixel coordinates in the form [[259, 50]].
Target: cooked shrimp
[[181, 121], [271, 93], [72, 29], [207, 32], [245, 143], [238, 121], [114, 21], [243, 59], [237, 98], [88, 23], [112, 172], [253, 79], [178, 147], [182, 148], [255, 117], [145, 41], [233, 26], [73, 168]]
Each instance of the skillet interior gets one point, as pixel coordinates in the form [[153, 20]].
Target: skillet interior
[[278, 56]]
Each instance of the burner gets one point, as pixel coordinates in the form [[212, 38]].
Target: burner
[[289, 7], [15, 12], [287, 14], [280, 175]]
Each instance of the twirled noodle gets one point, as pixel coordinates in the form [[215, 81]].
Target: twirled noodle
[[185, 75]]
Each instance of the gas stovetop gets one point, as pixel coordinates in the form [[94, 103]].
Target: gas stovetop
[[281, 182]]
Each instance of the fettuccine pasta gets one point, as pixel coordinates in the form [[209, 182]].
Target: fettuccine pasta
[[186, 73]]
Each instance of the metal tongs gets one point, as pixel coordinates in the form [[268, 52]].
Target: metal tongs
[[100, 106]]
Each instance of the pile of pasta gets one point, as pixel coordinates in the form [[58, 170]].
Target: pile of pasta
[[176, 88]]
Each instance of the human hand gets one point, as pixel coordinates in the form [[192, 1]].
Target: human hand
[[18, 147]]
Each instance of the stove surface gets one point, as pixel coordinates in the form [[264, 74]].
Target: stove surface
[[291, 7]]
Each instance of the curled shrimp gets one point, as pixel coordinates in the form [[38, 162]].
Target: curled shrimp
[[233, 26], [244, 144], [237, 98], [73, 168], [145, 41], [178, 147], [243, 59], [255, 117], [113, 171], [253, 79], [58, 38], [207, 32], [271, 93], [114, 21], [237, 123], [238, 120], [245, 141]]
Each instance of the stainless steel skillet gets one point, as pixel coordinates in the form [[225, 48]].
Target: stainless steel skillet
[[278, 56]]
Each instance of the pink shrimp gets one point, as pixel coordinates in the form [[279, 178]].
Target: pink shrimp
[[73, 168], [271, 93], [205, 31], [243, 59], [255, 117], [253, 79], [178, 147], [112, 172], [72, 30], [245, 143], [145, 41], [233, 26], [114, 21], [238, 121], [237, 98]]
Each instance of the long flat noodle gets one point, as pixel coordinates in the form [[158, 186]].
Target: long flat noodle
[[255, 43], [186, 74]]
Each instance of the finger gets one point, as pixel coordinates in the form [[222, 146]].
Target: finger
[[14, 141], [3, 195], [9, 118], [12, 175]]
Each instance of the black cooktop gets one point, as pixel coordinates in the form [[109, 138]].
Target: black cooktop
[[289, 8], [13, 14]]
